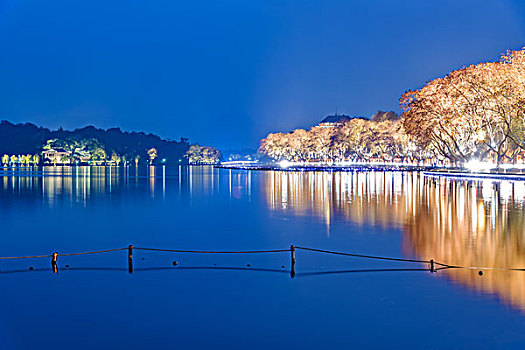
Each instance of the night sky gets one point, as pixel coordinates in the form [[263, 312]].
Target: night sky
[[225, 73]]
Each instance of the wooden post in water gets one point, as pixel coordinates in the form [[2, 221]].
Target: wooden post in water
[[130, 258], [432, 266], [292, 251], [54, 258]]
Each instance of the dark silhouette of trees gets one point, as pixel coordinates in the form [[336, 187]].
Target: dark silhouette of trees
[[30, 139]]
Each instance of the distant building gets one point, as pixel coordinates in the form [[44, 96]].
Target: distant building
[[332, 121], [55, 155]]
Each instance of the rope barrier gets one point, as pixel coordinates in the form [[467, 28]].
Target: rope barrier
[[25, 257], [51, 255], [214, 252], [479, 267], [363, 256], [290, 250], [95, 252]]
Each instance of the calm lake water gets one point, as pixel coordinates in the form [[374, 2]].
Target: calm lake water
[[217, 301]]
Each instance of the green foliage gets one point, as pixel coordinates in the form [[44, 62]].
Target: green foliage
[[203, 155], [49, 144], [115, 158]]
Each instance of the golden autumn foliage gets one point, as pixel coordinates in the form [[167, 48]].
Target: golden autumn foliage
[[352, 140], [474, 113], [477, 112]]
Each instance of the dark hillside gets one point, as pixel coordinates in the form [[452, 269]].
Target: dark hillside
[[28, 138]]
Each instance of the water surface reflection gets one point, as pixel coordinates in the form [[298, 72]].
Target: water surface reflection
[[460, 222]]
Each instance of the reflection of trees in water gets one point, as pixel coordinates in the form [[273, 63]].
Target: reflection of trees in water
[[80, 183], [380, 198], [468, 223], [76, 183], [473, 224]]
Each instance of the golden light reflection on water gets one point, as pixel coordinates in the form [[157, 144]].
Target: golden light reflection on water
[[84, 182], [459, 222], [473, 224], [76, 183], [373, 197]]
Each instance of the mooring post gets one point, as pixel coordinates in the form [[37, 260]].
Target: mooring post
[[292, 251], [130, 258], [54, 258], [432, 266]]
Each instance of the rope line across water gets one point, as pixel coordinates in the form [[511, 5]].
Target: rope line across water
[[363, 256], [214, 252], [25, 257], [66, 254], [443, 265], [95, 252]]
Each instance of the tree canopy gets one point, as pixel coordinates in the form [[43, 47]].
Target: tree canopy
[[354, 140], [203, 155], [477, 112]]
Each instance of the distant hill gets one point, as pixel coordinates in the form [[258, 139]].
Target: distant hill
[[27, 138]]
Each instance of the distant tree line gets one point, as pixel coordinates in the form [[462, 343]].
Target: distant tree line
[[358, 139], [25, 144], [474, 113]]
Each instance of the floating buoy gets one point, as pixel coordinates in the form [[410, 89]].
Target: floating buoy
[[31, 268], [480, 273], [175, 263]]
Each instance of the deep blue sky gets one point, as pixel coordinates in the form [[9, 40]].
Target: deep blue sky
[[226, 73]]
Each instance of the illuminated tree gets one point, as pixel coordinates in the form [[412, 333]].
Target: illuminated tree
[[381, 116], [49, 144], [65, 159], [203, 155], [152, 154], [354, 140], [115, 158], [25, 159], [475, 112], [98, 154]]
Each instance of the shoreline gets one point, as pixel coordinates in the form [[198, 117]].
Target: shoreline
[[327, 168], [476, 175], [428, 171]]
